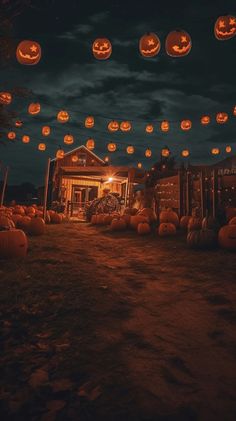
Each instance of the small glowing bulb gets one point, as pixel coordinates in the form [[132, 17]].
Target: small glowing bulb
[[110, 179]]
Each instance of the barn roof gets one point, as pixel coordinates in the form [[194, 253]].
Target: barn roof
[[82, 148]]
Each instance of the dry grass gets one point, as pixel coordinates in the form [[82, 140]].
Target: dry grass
[[102, 326]]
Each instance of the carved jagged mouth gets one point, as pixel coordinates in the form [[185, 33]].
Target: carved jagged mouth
[[153, 50], [226, 33], [28, 56], [101, 51], [180, 50]]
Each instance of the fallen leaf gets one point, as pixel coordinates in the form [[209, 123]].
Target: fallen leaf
[[38, 378]]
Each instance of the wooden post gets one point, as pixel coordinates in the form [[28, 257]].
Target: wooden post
[[215, 192], [4, 185], [180, 183], [46, 188], [202, 194], [188, 193]]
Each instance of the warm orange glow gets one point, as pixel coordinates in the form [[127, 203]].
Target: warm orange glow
[[149, 45], [25, 139], [11, 135], [5, 98], [130, 150], [205, 119], [228, 149], [225, 27], [41, 147], [68, 139], [185, 153], [19, 123], [90, 144], [125, 126], [89, 122], [148, 153], [186, 124], [139, 165], [46, 130], [74, 158], [178, 43], [215, 151], [165, 126], [234, 110], [222, 118], [102, 48], [106, 159], [111, 147], [28, 52], [63, 116], [60, 154], [165, 152], [149, 128], [113, 126], [34, 108]]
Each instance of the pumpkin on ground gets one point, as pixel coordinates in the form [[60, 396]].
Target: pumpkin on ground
[[149, 213], [194, 224], [232, 221], [118, 224], [169, 215], [13, 243], [23, 223], [55, 218], [137, 219], [36, 226], [30, 210], [227, 237], [202, 239], [19, 210], [166, 229], [184, 222], [209, 222], [143, 228], [6, 223], [15, 218]]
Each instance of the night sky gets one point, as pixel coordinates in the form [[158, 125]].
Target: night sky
[[124, 87]]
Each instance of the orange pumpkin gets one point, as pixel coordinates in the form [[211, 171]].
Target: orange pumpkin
[[46, 130], [186, 124], [111, 147], [149, 128], [55, 218], [118, 224], [185, 153], [63, 116], [165, 152], [106, 159], [11, 135], [30, 210], [13, 244], [215, 151], [125, 126], [222, 118], [166, 229], [5, 98], [113, 126], [89, 122], [19, 123], [232, 221], [137, 219], [139, 165], [90, 144], [165, 126], [34, 108], [28, 52], [25, 139], [6, 222], [228, 149], [234, 110], [178, 43], [168, 215], [74, 158], [60, 154], [130, 150], [68, 139], [19, 210], [148, 213], [41, 147], [102, 48], [37, 226], [149, 45], [225, 27], [143, 228], [205, 119], [227, 237], [194, 224], [184, 221], [148, 153], [23, 223]]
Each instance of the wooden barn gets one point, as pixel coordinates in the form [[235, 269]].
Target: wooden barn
[[82, 176]]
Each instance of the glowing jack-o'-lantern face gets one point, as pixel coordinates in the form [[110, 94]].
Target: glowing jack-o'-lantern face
[[185, 153], [125, 126], [222, 118], [34, 108], [46, 130], [41, 147], [28, 52], [60, 154], [149, 128], [186, 124], [74, 158], [90, 144], [106, 159], [205, 119], [178, 43], [89, 122], [19, 123], [234, 110], [148, 153], [25, 139], [102, 48], [149, 45], [215, 151], [165, 126], [113, 126], [68, 139], [228, 149], [225, 27], [11, 135], [139, 165], [5, 98], [111, 147], [130, 150], [63, 116], [165, 152]]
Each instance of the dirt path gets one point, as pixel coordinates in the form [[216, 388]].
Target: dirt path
[[134, 328]]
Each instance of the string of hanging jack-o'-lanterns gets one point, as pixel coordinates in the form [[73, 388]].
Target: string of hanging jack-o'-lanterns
[[178, 43]]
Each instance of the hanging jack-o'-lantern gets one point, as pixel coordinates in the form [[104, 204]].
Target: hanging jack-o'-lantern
[[89, 122], [215, 151], [68, 139], [25, 139], [46, 130], [225, 27], [60, 154], [102, 48], [186, 124], [165, 126], [90, 144], [19, 123], [111, 147], [185, 153], [149, 128], [165, 152], [205, 119], [34, 108], [148, 153], [178, 43], [113, 126], [130, 150], [149, 45], [125, 126], [5, 98], [74, 158], [228, 149], [28, 52], [222, 118], [11, 135], [234, 110], [63, 116], [106, 159], [41, 147], [139, 165]]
